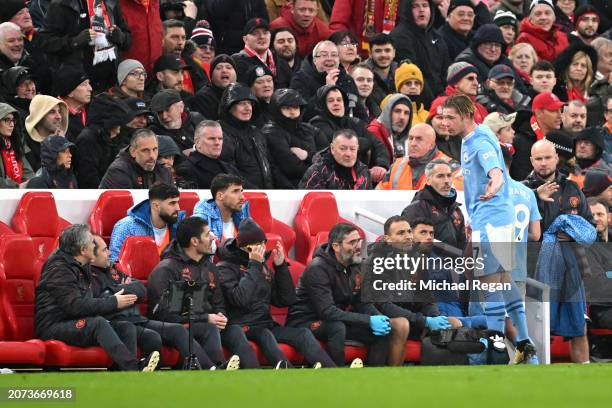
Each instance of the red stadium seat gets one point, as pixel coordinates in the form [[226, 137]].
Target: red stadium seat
[[188, 200], [275, 230], [317, 214], [559, 349], [138, 257], [36, 215], [17, 348], [5, 229], [112, 205]]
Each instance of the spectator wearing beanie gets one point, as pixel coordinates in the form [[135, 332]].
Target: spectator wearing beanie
[[98, 143], [564, 147], [417, 41], [586, 24], [520, 8], [206, 100], [508, 24], [564, 15], [462, 20], [131, 78], [598, 184], [205, 45], [409, 81], [261, 82], [540, 31], [56, 165], [145, 24], [462, 78], [73, 87], [18, 89], [588, 151], [486, 50], [168, 154]]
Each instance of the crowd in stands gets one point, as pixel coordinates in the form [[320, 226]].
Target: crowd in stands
[[304, 94]]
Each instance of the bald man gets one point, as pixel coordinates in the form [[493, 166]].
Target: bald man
[[408, 173], [558, 195]]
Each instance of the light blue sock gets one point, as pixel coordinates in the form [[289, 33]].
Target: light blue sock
[[516, 312], [495, 311]]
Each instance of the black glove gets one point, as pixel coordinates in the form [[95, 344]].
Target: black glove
[[116, 36], [82, 39]]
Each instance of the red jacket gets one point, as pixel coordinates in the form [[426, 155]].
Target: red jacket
[[349, 15], [307, 38], [146, 28], [378, 129], [481, 112], [547, 44]]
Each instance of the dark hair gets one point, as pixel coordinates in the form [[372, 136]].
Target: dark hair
[[597, 200], [348, 133], [421, 221], [381, 39], [16, 139], [74, 238], [339, 231], [542, 65], [280, 30], [163, 192], [96, 246], [392, 220], [189, 228], [172, 23], [222, 181], [338, 36]]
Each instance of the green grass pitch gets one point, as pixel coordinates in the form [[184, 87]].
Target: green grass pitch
[[555, 386]]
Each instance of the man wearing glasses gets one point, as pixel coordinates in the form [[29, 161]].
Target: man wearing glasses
[[131, 78], [501, 95]]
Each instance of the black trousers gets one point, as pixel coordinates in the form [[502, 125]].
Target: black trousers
[[118, 339], [335, 333], [301, 339], [235, 340]]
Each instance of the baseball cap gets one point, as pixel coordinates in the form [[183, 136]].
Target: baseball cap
[[255, 23], [501, 71], [164, 99], [548, 101], [169, 62], [137, 106], [497, 121]]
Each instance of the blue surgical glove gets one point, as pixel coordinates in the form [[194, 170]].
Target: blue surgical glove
[[380, 325], [437, 323]]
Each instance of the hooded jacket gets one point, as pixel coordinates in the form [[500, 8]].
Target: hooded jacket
[[96, 150], [50, 175], [326, 174], [173, 266], [547, 44], [210, 212], [569, 199], [250, 287], [328, 291], [470, 55], [382, 127], [39, 107], [206, 101], [445, 213], [307, 37], [595, 136], [124, 172], [369, 146], [64, 293], [136, 223], [243, 144], [283, 134], [424, 47]]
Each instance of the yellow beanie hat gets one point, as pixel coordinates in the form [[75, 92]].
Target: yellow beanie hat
[[406, 72]]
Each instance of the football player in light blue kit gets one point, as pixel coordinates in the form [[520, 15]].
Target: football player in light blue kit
[[486, 189]]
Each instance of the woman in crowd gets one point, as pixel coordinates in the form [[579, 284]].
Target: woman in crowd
[[574, 71], [347, 48], [523, 58], [14, 167]]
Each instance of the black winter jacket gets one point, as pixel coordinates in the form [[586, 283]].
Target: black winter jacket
[[183, 137], [96, 153], [206, 101], [64, 293], [326, 174], [173, 267], [448, 220], [243, 61], [328, 291], [230, 17], [524, 138], [125, 173], [471, 56], [250, 287], [493, 103], [198, 170], [105, 282]]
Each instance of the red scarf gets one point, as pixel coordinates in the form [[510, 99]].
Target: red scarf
[[574, 93], [536, 129], [269, 57], [12, 166]]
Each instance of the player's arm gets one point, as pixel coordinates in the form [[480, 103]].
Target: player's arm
[[534, 231], [496, 181]]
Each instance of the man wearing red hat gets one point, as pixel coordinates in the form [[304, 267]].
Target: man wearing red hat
[[546, 109]]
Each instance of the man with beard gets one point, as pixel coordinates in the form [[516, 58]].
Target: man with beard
[[284, 43], [156, 217], [382, 53], [574, 117], [586, 20], [588, 151], [438, 200], [206, 100], [169, 73], [136, 166], [600, 211], [329, 302], [226, 209], [393, 124], [48, 116]]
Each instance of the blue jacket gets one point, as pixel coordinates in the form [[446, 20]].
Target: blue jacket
[[137, 223], [208, 210]]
